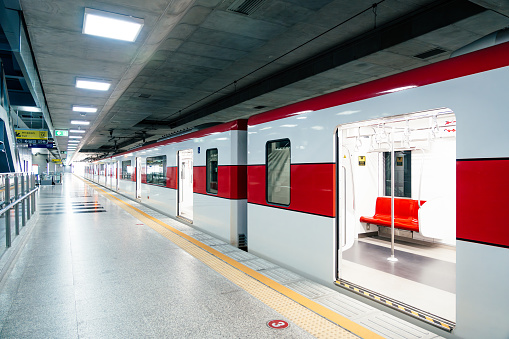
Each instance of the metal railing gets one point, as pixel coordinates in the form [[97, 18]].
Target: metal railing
[[23, 200]]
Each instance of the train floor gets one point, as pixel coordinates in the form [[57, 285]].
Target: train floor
[[424, 276], [94, 264]]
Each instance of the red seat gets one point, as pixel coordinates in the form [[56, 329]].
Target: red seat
[[405, 213]]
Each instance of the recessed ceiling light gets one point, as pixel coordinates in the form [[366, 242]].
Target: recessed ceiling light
[[97, 85], [75, 136], [77, 131], [80, 122], [74, 141], [111, 25], [86, 109]]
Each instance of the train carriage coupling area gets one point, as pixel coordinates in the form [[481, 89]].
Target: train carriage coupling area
[[92, 263]]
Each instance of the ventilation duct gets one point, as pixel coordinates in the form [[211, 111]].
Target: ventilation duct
[[246, 7]]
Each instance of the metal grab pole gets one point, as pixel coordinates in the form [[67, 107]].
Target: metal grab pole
[[16, 208], [392, 257], [7, 214], [23, 205], [29, 198]]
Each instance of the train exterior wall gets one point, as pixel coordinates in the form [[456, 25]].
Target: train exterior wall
[[223, 214], [306, 237]]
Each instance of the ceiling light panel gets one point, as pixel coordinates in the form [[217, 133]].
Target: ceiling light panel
[[86, 109], [75, 136], [73, 141], [111, 25], [77, 131], [80, 122], [96, 85]]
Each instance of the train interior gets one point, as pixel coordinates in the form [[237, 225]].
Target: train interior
[[185, 184], [417, 263]]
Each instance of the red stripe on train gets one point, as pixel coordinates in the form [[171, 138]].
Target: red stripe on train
[[312, 188], [172, 177], [231, 181], [482, 200], [471, 63]]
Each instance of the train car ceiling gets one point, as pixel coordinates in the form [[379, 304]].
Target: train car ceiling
[[424, 145]]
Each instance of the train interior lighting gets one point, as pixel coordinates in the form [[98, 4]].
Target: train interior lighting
[[419, 151], [111, 25]]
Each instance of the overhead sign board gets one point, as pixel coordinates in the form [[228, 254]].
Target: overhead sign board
[[61, 132], [56, 161], [32, 141], [32, 134], [41, 145]]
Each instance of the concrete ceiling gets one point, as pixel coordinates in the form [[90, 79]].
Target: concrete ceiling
[[197, 62]]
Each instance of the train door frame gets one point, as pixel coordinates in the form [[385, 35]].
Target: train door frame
[[137, 169], [185, 183]]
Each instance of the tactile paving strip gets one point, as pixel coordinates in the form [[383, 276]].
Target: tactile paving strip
[[323, 325]]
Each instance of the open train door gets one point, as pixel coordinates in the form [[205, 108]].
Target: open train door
[[396, 211], [138, 177], [185, 184]]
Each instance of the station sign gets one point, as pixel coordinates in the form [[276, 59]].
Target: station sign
[[61, 133], [33, 142], [31, 134], [56, 161], [40, 145]]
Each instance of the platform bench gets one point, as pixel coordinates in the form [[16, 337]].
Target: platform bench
[[405, 213]]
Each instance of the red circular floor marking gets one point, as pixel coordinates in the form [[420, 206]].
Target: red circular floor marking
[[279, 324]]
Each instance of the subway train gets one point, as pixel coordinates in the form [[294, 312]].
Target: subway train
[[392, 189]]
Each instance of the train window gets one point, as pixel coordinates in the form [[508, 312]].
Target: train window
[[127, 170], [402, 174], [212, 171], [156, 170], [278, 171]]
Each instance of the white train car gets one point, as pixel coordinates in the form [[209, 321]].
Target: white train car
[[198, 177], [320, 191]]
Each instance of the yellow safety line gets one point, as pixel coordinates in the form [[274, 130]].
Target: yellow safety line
[[300, 299]]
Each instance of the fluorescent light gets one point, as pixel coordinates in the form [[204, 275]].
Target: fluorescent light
[[86, 109], [28, 108], [77, 131], [73, 141], [75, 136], [111, 25], [80, 122], [97, 85]]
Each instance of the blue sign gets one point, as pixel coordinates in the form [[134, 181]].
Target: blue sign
[[49, 145]]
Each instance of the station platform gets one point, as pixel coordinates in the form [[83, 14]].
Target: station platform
[[95, 264]]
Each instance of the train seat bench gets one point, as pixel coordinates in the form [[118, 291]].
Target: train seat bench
[[405, 213]]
